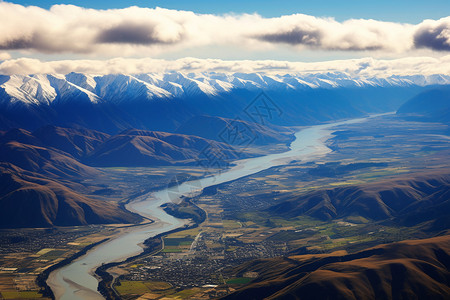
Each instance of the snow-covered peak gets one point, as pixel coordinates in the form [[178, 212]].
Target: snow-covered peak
[[68, 91], [85, 81], [119, 88], [34, 89], [191, 86]]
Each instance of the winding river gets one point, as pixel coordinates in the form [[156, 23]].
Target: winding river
[[76, 280]]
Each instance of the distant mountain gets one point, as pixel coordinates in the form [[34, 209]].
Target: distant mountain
[[151, 148], [409, 201], [29, 199], [432, 105], [235, 131], [163, 102], [415, 269], [49, 88]]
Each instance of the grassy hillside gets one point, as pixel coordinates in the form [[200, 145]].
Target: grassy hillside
[[413, 269]]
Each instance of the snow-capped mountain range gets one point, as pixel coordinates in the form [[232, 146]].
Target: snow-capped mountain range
[[164, 102], [45, 89]]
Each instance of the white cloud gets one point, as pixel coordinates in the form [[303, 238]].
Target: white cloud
[[4, 56], [141, 32], [433, 34], [328, 34], [364, 67]]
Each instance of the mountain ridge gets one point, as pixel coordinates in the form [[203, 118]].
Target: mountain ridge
[[46, 88], [30, 199], [412, 269], [431, 106], [405, 200], [164, 101]]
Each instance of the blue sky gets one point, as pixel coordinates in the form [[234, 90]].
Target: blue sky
[[412, 11]]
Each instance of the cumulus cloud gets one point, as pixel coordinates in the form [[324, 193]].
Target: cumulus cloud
[[4, 56], [143, 31], [434, 35], [328, 34], [68, 28], [364, 67]]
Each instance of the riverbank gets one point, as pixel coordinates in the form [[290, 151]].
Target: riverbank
[[41, 280], [153, 245], [78, 281]]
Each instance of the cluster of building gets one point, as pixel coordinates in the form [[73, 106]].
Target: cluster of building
[[208, 262], [33, 240]]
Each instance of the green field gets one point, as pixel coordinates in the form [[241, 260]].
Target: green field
[[53, 254], [178, 241], [289, 235], [171, 250], [231, 224], [20, 295], [142, 287]]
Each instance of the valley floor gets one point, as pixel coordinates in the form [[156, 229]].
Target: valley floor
[[241, 223]]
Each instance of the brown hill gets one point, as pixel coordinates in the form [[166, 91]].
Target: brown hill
[[147, 148], [415, 269], [77, 142], [29, 200], [43, 161], [19, 135], [410, 200], [36, 186]]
